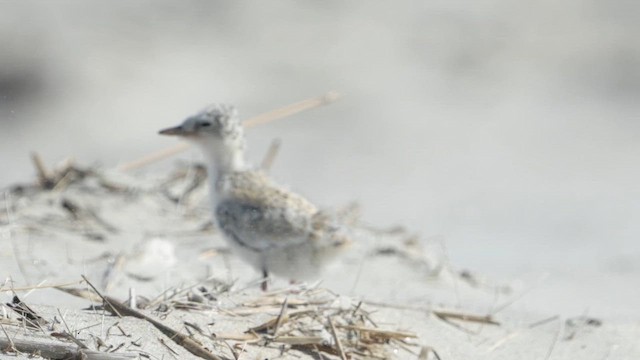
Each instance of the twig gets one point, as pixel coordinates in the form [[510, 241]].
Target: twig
[[386, 333], [13, 346], [396, 306], [271, 323], [104, 299], [281, 316], [235, 354], [459, 327], [69, 335], [271, 154], [502, 340], [519, 296], [483, 319], [343, 356], [299, 340], [269, 300], [168, 347], [28, 315], [425, 351], [247, 337], [29, 288], [81, 293], [32, 290], [257, 120], [179, 338], [356, 309], [292, 109], [555, 341], [154, 157], [133, 303], [543, 321], [53, 350], [158, 299], [45, 178]]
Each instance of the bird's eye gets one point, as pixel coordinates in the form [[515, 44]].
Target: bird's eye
[[205, 124]]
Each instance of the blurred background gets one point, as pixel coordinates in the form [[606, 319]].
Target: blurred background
[[507, 130]]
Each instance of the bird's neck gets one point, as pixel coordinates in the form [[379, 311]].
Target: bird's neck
[[220, 162], [222, 159]]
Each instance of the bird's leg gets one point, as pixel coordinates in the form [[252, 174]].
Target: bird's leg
[[265, 278]]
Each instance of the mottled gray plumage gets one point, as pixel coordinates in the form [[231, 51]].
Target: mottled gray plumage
[[274, 230]]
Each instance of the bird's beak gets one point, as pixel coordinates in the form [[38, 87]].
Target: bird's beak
[[177, 130]]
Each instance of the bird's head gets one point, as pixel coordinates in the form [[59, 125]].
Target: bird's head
[[215, 124], [218, 132]]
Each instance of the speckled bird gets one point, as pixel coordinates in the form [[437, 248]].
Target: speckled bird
[[274, 230]]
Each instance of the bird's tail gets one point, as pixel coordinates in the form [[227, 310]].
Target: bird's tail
[[333, 236]]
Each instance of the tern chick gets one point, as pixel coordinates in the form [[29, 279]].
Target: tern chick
[[274, 230]]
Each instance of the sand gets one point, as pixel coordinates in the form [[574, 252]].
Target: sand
[[80, 235]]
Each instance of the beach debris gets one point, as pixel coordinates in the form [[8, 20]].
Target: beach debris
[[30, 317]]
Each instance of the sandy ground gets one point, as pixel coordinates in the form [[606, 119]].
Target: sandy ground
[[393, 295], [503, 136], [508, 130]]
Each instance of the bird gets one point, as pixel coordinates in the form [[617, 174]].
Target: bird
[[274, 230]]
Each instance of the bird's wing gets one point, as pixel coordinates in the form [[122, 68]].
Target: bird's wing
[[279, 219]]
